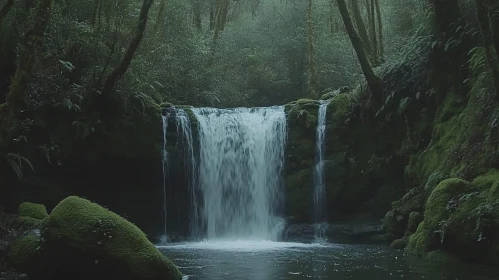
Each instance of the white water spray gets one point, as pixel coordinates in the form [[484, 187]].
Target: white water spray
[[186, 144], [164, 160], [240, 167], [319, 179]]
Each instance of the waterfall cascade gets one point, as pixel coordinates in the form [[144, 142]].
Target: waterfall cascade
[[164, 159], [240, 165], [319, 179], [186, 144]]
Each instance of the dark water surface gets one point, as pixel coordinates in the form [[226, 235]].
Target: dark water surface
[[262, 260]]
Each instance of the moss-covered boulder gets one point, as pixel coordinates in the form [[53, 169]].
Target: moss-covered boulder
[[24, 251], [82, 238], [459, 220], [437, 206], [32, 210], [399, 244]]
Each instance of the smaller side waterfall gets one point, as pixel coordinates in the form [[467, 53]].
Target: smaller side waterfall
[[165, 115], [319, 180], [186, 144]]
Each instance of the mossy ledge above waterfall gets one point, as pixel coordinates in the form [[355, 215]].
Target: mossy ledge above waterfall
[[82, 238]]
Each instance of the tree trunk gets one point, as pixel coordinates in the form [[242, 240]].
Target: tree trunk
[[494, 20], [161, 15], [312, 79], [380, 30], [361, 28], [373, 81], [116, 75], [29, 54], [5, 10], [196, 7], [372, 25], [220, 17], [447, 13], [482, 13]]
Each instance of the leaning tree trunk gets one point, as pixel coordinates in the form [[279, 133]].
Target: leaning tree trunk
[[373, 81], [361, 28], [312, 78], [119, 71]]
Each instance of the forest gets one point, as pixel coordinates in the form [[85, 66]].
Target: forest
[[249, 139]]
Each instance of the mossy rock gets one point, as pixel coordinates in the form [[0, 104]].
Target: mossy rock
[[84, 238], [32, 210], [415, 219], [436, 207], [27, 222], [419, 241], [400, 244], [488, 183], [299, 191], [23, 252], [433, 180]]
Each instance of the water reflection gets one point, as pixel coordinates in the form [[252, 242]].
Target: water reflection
[[293, 261]]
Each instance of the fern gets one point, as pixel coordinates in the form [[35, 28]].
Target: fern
[[16, 162], [477, 61]]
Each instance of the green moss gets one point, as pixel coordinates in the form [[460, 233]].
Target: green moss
[[433, 180], [400, 244], [23, 252], [166, 105], [32, 210], [85, 230], [28, 222], [298, 195], [339, 108], [488, 183], [414, 220], [419, 242], [436, 208]]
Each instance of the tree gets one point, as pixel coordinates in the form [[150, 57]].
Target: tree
[[220, 18], [373, 81], [29, 54], [161, 14], [312, 78], [380, 30], [361, 28], [196, 9], [119, 71], [372, 30], [485, 22]]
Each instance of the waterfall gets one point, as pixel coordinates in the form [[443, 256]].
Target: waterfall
[[164, 160], [240, 167], [319, 180], [186, 144]]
